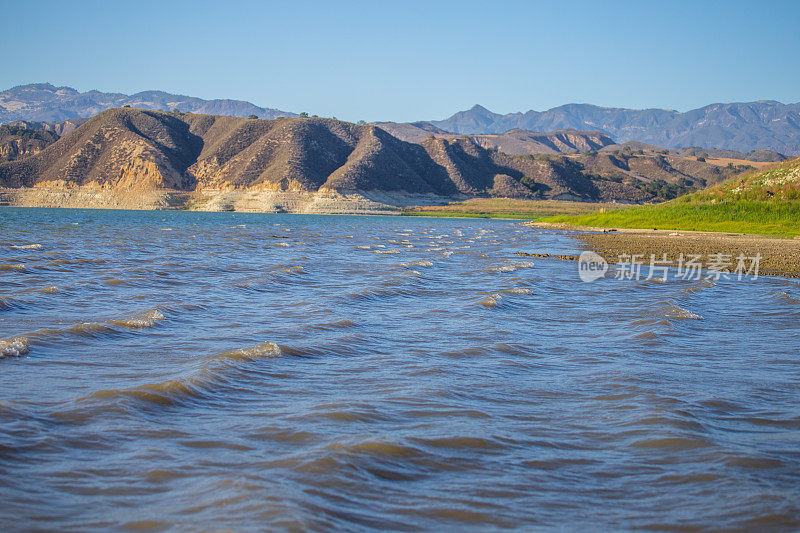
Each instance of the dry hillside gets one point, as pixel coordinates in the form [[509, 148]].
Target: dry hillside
[[133, 149]]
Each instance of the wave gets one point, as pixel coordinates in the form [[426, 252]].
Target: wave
[[26, 246], [417, 263], [94, 330], [491, 301], [145, 319], [511, 267], [14, 347], [12, 267], [517, 290], [267, 283], [783, 294], [47, 290], [339, 324], [181, 391], [672, 311], [7, 304], [699, 285], [380, 294], [169, 392], [264, 349]]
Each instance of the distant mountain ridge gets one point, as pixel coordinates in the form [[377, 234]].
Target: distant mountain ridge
[[45, 102], [742, 127]]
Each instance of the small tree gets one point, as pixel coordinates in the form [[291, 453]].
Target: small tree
[[304, 114], [252, 116], [362, 122]]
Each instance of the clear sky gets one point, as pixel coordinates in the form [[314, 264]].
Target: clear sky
[[412, 60]]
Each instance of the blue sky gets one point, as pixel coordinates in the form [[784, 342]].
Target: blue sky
[[412, 60]]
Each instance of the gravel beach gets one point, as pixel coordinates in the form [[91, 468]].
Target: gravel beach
[[778, 256]]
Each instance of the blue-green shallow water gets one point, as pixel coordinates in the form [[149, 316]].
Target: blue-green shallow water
[[207, 371]]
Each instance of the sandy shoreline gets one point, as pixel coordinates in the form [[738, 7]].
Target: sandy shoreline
[[239, 200], [778, 256]]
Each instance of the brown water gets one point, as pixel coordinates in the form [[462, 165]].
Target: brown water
[[194, 371]]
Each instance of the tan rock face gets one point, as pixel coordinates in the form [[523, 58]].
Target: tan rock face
[[15, 149]]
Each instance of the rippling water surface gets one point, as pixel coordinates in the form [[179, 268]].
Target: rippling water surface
[[209, 371]]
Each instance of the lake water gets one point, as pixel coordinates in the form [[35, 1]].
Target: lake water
[[207, 371]]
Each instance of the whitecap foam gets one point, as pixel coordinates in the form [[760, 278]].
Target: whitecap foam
[[511, 267], [418, 263], [518, 290], [491, 301], [503, 269], [145, 319], [675, 312], [14, 347], [27, 246], [50, 289], [264, 349]]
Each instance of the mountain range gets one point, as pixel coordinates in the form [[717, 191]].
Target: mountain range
[[737, 126], [45, 102], [741, 127], [134, 152]]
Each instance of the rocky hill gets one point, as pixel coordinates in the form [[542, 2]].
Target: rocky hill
[[738, 126], [131, 151], [513, 142], [18, 142], [45, 102]]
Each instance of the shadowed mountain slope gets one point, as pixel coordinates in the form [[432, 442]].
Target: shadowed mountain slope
[[513, 142]]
